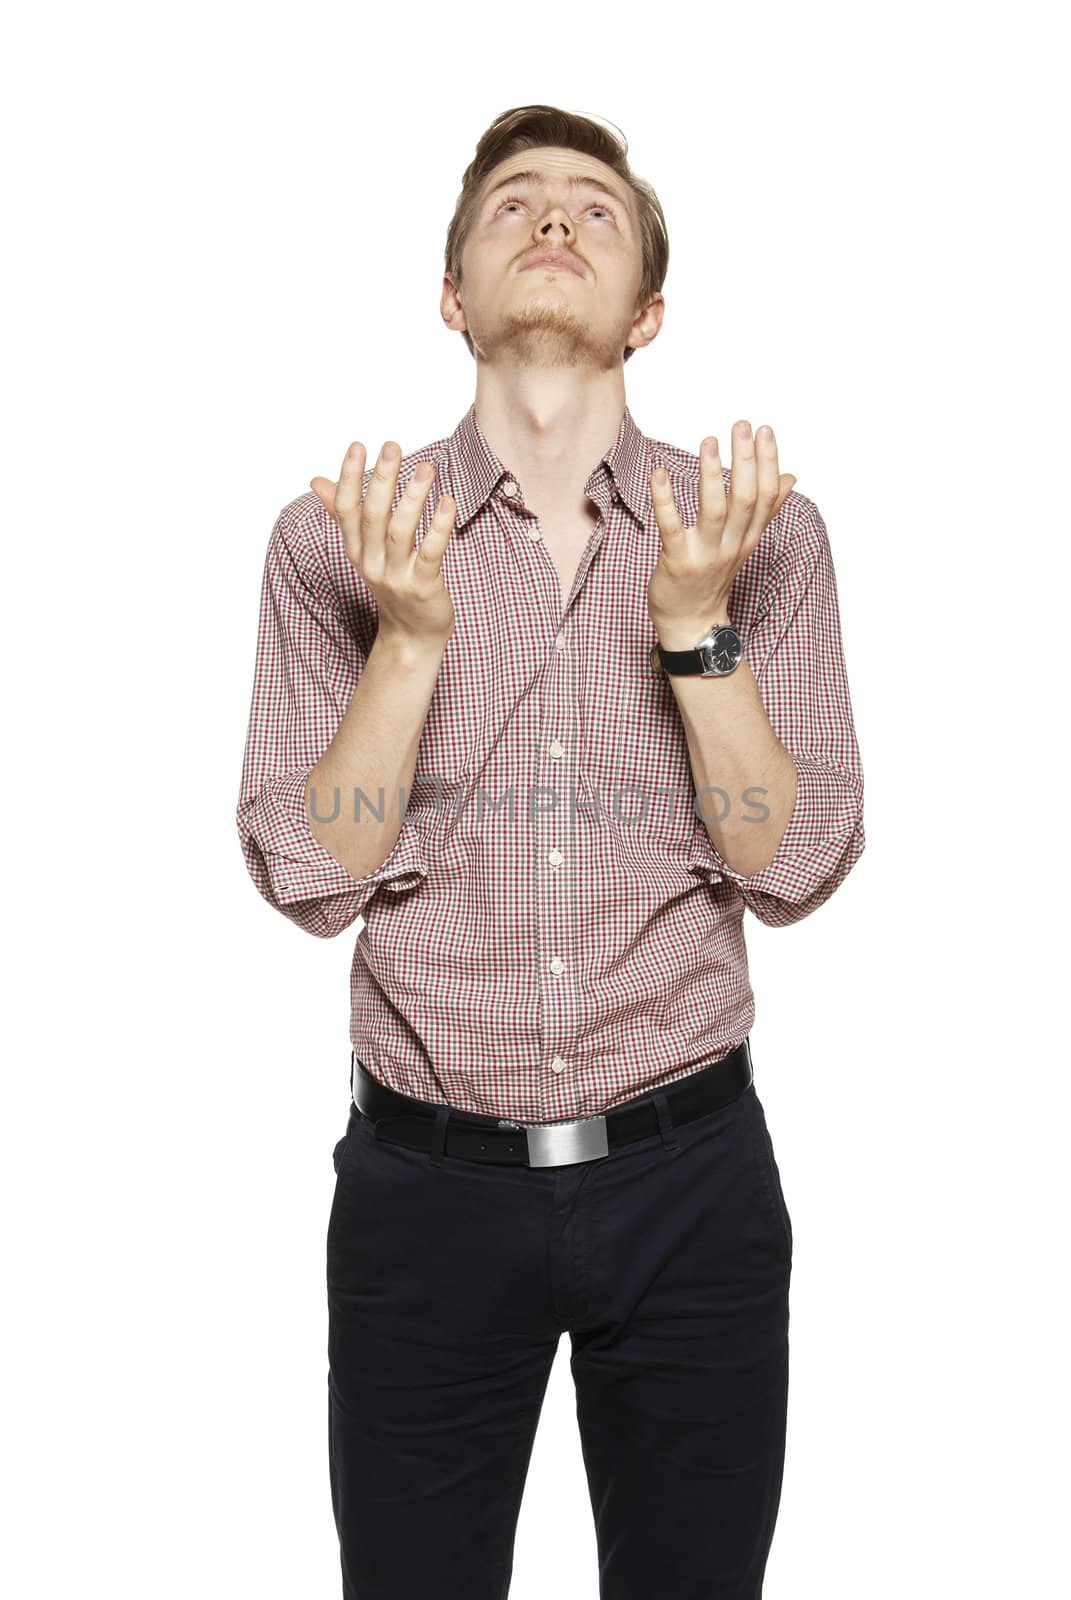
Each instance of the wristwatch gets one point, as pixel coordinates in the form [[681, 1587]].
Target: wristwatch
[[716, 655]]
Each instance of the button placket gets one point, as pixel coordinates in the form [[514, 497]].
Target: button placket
[[557, 926]]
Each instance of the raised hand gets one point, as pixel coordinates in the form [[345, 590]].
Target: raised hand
[[689, 588], [413, 601]]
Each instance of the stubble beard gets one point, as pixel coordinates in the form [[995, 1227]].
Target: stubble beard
[[544, 334]]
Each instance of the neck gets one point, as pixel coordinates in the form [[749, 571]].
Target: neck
[[548, 428]]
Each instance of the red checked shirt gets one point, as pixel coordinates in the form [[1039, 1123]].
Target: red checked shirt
[[553, 931]]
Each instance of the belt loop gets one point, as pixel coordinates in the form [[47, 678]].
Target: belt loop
[[438, 1135], [665, 1119]]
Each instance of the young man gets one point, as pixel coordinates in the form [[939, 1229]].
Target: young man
[[618, 710]]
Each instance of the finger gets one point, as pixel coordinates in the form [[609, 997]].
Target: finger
[[665, 507], [346, 499], [770, 497], [324, 490], [761, 523], [438, 534], [401, 530], [376, 505], [787, 484], [743, 491], [769, 481], [712, 502]]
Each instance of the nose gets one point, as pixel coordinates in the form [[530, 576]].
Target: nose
[[557, 218]]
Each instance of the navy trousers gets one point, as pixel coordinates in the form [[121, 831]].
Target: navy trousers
[[449, 1286]]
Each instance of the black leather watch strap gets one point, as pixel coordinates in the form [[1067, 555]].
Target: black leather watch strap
[[693, 662], [683, 663]]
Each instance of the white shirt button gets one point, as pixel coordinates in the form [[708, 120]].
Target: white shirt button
[[557, 966], [555, 858], [559, 641], [511, 486], [556, 750], [534, 531], [558, 1065]]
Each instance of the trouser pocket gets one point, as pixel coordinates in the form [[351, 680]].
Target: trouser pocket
[[771, 1191]]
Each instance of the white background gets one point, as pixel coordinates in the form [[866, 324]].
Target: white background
[[224, 262]]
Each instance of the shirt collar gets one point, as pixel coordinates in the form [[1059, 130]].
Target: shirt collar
[[471, 472]]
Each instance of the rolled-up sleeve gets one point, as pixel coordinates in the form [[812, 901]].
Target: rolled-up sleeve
[[796, 654], [308, 663]]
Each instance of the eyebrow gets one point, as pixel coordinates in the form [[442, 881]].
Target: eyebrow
[[575, 182]]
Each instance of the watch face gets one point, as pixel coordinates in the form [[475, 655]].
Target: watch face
[[724, 651]]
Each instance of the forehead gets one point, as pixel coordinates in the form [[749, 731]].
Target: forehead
[[581, 173]]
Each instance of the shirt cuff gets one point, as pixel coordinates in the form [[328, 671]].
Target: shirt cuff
[[298, 867], [821, 842]]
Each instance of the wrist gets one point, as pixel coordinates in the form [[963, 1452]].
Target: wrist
[[404, 650], [685, 635]]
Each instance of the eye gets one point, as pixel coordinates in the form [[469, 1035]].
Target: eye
[[596, 205]]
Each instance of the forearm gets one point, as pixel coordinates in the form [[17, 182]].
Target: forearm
[[735, 752], [374, 750]]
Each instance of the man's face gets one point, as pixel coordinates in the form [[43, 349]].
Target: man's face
[[542, 316]]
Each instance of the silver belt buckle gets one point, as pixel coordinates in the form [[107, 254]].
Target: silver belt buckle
[[559, 1144]]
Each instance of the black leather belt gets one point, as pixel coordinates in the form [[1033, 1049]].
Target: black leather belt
[[399, 1119]]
